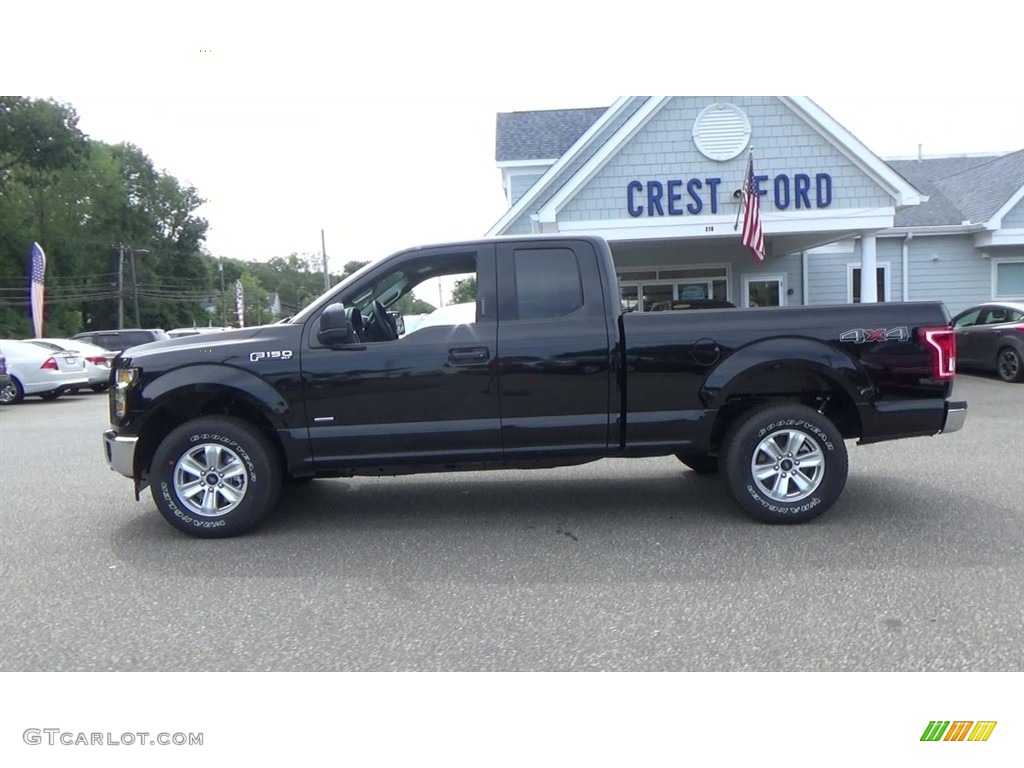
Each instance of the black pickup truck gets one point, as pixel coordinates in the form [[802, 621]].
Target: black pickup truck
[[548, 371]]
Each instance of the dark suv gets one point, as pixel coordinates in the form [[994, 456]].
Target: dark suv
[[118, 341]]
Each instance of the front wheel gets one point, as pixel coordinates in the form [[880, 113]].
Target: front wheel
[[215, 477], [784, 463], [1009, 365]]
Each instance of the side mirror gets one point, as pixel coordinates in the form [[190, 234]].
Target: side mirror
[[336, 326]]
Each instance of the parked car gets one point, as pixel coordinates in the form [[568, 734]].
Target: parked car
[[38, 371], [120, 340], [990, 337], [97, 359], [177, 333], [5, 377]]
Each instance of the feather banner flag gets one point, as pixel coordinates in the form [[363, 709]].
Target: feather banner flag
[[240, 303], [37, 272]]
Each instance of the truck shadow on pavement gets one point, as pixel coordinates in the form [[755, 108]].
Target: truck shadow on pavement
[[486, 527]]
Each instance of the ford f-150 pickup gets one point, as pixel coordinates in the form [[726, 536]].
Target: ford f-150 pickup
[[550, 371]]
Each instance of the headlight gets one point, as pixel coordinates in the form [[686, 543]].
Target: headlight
[[123, 380]]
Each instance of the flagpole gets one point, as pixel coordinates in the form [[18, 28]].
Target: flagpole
[[746, 177]]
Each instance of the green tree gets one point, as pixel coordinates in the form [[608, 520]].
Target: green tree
[[464, 290]]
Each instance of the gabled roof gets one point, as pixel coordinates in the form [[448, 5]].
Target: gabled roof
[[569, 135], [542, 135], [960, 189]]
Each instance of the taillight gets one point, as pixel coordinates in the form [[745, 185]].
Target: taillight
[[99, 360], [942, 343], [49, 365]]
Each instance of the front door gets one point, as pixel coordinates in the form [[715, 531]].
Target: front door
[[430, 396]]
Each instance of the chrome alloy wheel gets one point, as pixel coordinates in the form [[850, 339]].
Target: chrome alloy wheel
[[788, 465], [210, 480]]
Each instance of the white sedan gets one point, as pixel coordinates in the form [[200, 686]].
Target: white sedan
[[38, 371], [97, 359]]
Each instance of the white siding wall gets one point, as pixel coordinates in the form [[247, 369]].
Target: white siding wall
[[949, 269], [829, 274]]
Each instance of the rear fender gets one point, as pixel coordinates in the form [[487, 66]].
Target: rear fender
[[775, 359]]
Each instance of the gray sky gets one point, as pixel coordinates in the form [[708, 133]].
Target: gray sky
[[379, 174], [378, 127]]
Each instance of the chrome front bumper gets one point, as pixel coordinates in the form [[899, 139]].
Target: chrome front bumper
[[956, 414], [120, 452]]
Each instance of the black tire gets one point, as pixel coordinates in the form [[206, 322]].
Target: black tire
[[12, 393], [229, 465], [700, 463], [783, 492], [1009, 365], [99, 387], [51, 395]]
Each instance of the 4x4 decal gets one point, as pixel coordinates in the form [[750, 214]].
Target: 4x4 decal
[[865, 335]]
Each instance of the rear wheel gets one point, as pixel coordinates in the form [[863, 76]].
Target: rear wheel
[[700, 463], [215, 477], [51, 395], [1009, 365], [12, 393], [784, 463]]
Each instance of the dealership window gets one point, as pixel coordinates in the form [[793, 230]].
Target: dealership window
[[853, 283], [647, 290], [1007, 278]]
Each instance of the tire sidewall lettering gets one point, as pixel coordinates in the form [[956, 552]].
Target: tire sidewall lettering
[[234, 446], [799, 424]]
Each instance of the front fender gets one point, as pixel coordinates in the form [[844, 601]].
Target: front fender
[[211, 380]]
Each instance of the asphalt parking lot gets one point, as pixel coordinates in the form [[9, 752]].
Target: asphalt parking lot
[[616, 565]]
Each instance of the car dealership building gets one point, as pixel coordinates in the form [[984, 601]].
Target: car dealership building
[[660, 178]]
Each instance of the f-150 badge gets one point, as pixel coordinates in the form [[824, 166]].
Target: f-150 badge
[[277, 354], [866, 335]]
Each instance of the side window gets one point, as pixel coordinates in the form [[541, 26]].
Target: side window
[[996, 315], [967, 320], [436, 289], [547, 283]]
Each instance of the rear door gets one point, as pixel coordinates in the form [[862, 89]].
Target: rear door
[[554, 359]]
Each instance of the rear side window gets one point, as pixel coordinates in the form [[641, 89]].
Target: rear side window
[[547, 283]]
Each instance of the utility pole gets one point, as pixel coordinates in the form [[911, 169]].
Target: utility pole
[[223, 295], [323, 249], [120, 286], [135, 289]]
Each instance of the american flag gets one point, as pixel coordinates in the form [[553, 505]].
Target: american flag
[[753, 235], [240, 303], [37, 268]]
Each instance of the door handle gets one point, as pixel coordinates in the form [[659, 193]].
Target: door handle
[[469, 355]]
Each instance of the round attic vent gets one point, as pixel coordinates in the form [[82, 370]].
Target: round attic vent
[[721, 132]]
